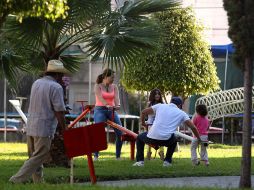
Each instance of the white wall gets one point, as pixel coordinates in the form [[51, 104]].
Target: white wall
[[79, 85], [212, 14]]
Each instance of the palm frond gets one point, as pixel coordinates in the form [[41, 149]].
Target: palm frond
[[119, 35], [84, 10], [128, 32], [22, 34], [37, 63], [72, 62], [10, 65], [65, 41], [82, 14], [145, 7]]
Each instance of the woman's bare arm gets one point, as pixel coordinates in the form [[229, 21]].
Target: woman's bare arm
[[117, 100]]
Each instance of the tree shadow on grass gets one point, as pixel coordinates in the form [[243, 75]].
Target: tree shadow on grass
[[110, 169], [182, 167], [13, 154]]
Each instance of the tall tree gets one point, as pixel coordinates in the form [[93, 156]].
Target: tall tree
[[183, 64], [241, 31]]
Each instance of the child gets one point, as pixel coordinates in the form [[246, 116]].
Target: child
[[201, 121], [154, 98]]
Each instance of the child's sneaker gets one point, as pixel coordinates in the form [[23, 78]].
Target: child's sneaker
[[166, 164], [139, 164]]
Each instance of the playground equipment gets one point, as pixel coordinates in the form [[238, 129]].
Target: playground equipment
[[81, 140], [87, 139], [84, 141], [127, 135], [17, 106], [223, 103]]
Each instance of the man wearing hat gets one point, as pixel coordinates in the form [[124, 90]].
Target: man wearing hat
[[167, 118], [46, 108]]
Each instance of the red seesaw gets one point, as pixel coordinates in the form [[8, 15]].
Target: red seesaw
[[128, 136], [92, 138], [85, 140]]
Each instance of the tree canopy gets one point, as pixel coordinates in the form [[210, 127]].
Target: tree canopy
[[10, 60], [116, 34], [241, 23], [50, 9], [183, 64]]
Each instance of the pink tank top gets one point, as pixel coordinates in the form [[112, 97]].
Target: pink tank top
[[109, 97], [202, 124]]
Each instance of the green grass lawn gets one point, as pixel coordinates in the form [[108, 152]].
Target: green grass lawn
[[224, 160]]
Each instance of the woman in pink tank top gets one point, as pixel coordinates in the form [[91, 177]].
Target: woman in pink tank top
[[107, 95]]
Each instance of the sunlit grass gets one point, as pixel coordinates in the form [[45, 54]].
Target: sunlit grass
[[13, 151], [12, 147], [214, 151], [224, 160], [18, 151]]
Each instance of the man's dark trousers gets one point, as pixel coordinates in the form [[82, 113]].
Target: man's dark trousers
[[142, 139]]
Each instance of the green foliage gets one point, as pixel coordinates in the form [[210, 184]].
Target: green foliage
[[50, 9], [117, 34], [11, 63], [241, 24], [12, 59], [224, 160], [41, 39], [127, 31], [183, 65]]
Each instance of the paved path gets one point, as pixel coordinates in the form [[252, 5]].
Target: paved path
[[216, 181]]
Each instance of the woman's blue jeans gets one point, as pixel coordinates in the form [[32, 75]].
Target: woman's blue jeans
[[102, 114]]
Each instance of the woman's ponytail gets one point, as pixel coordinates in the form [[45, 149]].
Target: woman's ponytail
[[99, 79]]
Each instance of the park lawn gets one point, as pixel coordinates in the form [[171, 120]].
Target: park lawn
[[224, 160]]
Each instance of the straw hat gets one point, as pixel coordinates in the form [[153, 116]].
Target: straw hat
[[56, 66]]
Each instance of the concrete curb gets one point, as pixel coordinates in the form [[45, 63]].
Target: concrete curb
[[215, 181]]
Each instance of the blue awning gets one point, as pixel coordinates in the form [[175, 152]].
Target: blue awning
[[220, 50]]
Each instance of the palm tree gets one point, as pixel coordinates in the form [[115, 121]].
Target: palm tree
[[118, 35]]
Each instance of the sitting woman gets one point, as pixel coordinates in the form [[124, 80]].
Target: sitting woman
[[154, 98]]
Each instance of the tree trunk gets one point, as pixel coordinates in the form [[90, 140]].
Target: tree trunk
[[124, 100], [57, 156], [3, 18], [245, 179]]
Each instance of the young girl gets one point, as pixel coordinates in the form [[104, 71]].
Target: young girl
[[154, 98], [201, 121]]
